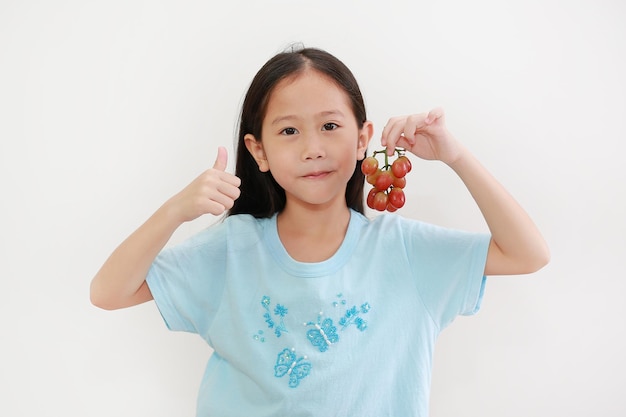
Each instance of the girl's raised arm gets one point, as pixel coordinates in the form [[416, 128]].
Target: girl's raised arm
[[517, 246], [121, 281]]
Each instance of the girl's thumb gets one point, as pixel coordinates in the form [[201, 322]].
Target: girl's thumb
[[221, 160]]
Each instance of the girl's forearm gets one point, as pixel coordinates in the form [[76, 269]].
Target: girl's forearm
[[517, 246], [120, 282]]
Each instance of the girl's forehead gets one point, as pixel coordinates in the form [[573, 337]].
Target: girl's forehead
[[307, 74], [307, 89]]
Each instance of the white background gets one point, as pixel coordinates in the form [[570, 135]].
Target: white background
[[107, 108]]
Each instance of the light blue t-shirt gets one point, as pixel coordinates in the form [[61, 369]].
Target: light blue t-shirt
[[350, 336]]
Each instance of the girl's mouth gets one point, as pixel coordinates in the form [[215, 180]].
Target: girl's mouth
[[316, 175]]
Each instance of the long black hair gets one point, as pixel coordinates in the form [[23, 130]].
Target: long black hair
[[261, 196]]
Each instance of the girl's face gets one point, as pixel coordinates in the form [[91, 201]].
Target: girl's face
[[311, 140]]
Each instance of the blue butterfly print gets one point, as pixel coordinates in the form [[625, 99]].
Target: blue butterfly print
[[323, 335], [288, 364]]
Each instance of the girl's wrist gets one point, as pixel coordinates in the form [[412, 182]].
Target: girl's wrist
[[459, 159], [170, 214]]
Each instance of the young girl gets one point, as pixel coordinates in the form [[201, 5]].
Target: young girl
[[310, 307]]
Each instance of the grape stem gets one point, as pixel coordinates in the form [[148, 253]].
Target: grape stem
[[399, 151]]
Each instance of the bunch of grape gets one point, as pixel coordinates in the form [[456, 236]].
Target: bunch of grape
[[388, 181]]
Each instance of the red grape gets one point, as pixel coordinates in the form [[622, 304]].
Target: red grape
[[396, 197], [407, 162], [369, 165], [384, 180], [399, 182], [388, 180], [380, 201], [370, 198], [371, 178], [399, 168]]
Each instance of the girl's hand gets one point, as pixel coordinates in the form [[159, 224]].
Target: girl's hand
[[214, 192], [425, 135]]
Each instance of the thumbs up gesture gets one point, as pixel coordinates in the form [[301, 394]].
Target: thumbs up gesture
[[214, 192]]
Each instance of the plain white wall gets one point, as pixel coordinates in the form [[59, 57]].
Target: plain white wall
[[107, 108]]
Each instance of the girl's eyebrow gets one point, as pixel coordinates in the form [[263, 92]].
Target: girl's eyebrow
[[291, 117]]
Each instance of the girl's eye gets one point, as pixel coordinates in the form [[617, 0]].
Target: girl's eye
[[330, 126], [289, 131]]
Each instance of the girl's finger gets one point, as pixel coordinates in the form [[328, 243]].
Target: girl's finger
[[385, 133], [395, 134], [230, 179], [433, 115], [231, 191], [384, 137], [414, 123]]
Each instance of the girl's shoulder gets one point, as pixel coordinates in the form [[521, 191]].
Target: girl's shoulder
[[394, 225], [384, 227], [237, 230], [390, 221]]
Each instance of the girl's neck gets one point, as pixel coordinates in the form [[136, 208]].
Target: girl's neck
[[312, 235]]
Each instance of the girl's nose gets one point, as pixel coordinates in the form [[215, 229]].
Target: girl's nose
[[313, 147]]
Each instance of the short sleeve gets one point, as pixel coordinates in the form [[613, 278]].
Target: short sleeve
[[187, 280], [449, 269]]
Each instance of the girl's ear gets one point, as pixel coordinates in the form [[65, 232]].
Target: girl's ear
[[365, 135], [255, 148]]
